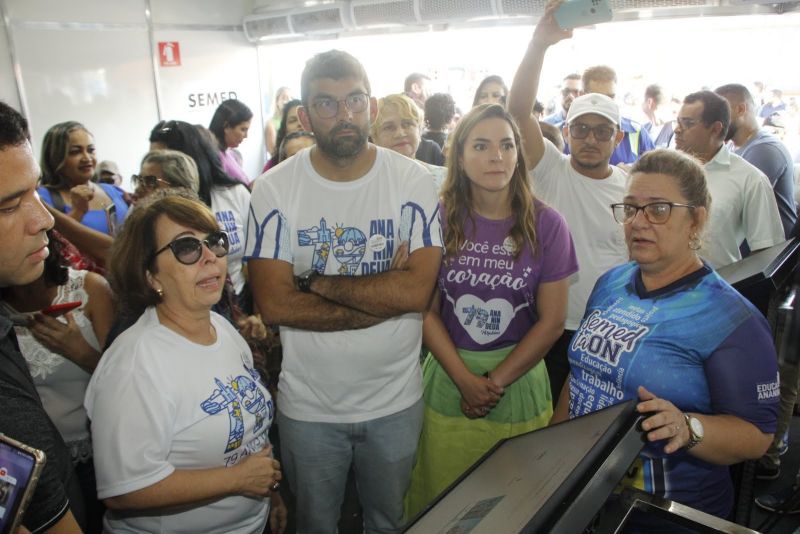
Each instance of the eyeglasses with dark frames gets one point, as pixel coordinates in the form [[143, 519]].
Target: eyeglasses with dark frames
[[328, 108], [188, 249], [148, 181], [601, 132], [654, 212]]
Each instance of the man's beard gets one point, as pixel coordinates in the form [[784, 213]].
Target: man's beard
[[342, 147]]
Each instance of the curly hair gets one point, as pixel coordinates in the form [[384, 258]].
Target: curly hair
[[440, 108]]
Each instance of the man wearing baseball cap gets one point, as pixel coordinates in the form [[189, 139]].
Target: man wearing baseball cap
[[580, 185]]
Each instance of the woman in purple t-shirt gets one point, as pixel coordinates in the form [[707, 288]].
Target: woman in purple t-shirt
[[230, 124], [500, 305]]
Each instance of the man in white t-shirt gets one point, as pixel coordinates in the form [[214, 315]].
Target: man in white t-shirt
[[743, 205], [581, 185], [324, 228]]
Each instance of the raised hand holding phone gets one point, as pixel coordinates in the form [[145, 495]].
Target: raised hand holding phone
[[547, 31], [577, 13]]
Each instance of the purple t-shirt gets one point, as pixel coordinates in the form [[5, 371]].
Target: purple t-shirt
[[489, 297], [232, 166]]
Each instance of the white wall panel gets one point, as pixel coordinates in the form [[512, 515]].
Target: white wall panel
[[100, 78], [8, 85], [77, 11], [200, 11], [215, 66]]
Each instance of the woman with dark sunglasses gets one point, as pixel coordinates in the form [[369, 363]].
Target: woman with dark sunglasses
[[162, 169], [227, 198], [179, 415]]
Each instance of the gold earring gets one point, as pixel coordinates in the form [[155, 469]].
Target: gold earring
[[694, 242], [160, 292]]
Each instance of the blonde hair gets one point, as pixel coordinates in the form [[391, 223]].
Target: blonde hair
[[404, 106], [457, 192]]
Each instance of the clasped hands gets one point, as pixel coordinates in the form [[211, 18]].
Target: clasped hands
[[479, 394]]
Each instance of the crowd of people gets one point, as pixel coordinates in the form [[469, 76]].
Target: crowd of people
[[432, 283]]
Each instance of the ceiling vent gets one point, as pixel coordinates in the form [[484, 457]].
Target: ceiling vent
[[262, 27], [324, 19], [521, 8], [382, 13], [275, 20], [444, 11]]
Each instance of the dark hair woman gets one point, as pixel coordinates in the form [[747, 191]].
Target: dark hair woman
[[68, 163], [289, 123], [230, 124]]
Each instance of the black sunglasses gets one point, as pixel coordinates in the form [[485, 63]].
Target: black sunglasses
[[188, 249], [147, 181], [601, 132]]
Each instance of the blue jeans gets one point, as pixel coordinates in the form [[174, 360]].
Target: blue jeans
[[316, 458]]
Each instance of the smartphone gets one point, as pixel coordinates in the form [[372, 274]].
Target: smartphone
[[576, 13], [111, 217], [20, 467], [57, 310]]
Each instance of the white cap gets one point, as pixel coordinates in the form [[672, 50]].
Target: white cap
[[596, 103], [107, 166]]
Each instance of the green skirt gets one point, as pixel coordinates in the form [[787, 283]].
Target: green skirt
[[450, 442]]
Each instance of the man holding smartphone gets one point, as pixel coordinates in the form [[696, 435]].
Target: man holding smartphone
[[580, 185], [23, 249]]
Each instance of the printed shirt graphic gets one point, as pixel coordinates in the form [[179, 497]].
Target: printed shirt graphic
[[230, 206], [488, 297], [348, 229], [159, 402], [697, 343]]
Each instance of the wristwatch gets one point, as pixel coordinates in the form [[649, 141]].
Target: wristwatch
[[695, 430], [305, 279]]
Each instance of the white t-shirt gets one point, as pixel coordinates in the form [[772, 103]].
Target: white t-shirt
[[159, 402], [60, 382], [346, 228], [230, 205], [585, 204], [743, 207]]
